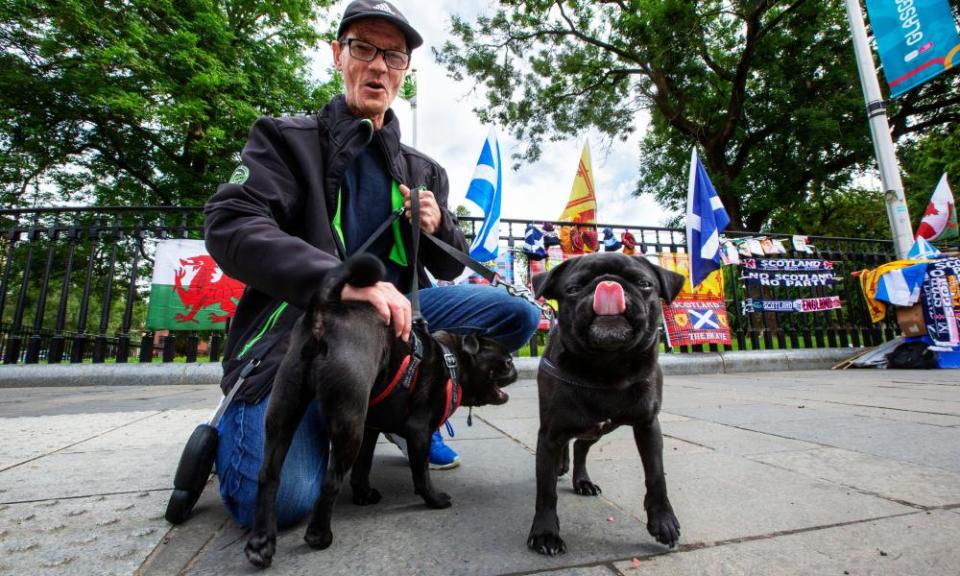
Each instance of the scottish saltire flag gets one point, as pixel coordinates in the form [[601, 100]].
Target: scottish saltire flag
[[916, 39], [922, 249], [706, 219], [940, 218], [485, 191], [902, 287]]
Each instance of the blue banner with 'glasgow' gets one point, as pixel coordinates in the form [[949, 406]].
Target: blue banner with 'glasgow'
[[917, 40]]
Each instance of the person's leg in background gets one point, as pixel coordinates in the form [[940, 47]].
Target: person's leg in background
[[240, 454], [481, 310]]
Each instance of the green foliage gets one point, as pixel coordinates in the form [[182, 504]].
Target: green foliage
[[925, 160], [767, 91], [460, 211], [144, 101], [408, 91], [847, 213]]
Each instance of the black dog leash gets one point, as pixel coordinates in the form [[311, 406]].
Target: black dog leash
[[277, 326], [492, 277], [487, 274]]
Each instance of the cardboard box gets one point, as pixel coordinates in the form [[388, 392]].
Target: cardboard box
[[910, 320]]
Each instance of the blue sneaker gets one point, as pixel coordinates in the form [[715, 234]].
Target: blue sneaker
[[442, 457]]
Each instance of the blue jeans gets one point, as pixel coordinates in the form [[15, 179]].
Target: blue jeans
[[464, 309]]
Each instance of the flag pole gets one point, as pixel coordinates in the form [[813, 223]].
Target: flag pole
[[880, 131]]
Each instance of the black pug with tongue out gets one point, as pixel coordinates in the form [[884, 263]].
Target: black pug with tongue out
[[598, 372]]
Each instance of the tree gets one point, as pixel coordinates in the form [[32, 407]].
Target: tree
[[767, 90], [924, 161], [144, 101]]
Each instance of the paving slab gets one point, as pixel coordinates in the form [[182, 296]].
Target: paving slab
[[34, 436], [924, 444], [919, 544], [87, 400], [913, 484], [102, 535], [588, 571], [720, 497], [729, 439]]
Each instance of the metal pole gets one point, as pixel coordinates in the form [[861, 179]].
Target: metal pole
[[880, 131], [413, 104]]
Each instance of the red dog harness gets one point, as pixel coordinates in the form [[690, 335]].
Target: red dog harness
[[409, 371]]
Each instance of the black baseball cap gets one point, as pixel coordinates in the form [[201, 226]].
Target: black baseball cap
[[360, 9]]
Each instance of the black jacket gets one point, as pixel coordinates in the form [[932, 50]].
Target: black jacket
[[272, 231]]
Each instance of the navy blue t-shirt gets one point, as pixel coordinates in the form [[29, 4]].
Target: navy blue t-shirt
[[365, 205]]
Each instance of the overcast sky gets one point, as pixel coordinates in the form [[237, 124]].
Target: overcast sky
[[450, 132]]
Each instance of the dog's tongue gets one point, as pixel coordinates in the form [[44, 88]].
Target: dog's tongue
[[608, 299]]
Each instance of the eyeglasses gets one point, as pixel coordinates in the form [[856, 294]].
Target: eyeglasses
[[367, 52]]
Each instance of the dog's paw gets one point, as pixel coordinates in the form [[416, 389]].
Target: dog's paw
[[366, 498], [586, 488], [547, 544], [664, 526], [260, 549], [318, 540], [438, 500]]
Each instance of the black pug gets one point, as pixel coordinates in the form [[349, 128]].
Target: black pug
[[343, 354], [598, 372]]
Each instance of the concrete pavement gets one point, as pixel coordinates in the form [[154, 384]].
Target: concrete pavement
[[804, 472]]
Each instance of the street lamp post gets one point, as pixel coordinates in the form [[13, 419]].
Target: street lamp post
[[880, 130]]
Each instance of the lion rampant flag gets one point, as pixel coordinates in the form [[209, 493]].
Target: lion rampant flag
[[189, 291], [940, 218], [582, 205], [581, 208]]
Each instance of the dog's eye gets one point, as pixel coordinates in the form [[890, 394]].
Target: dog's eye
[[573, 289], [645, 286]]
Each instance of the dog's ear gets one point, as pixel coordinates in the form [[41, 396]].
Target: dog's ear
[[671, 283], [548, 284], [470, 344]]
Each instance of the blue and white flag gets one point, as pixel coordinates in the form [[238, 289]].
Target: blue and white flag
[[706, 219], [922, 249], [902, 287], [485, 191]]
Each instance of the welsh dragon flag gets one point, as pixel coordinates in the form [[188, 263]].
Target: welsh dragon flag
[[189, 290], [940, 218]]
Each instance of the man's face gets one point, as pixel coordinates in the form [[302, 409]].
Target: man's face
[[371, 86]]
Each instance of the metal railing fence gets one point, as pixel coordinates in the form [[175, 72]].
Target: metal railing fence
[[75, 284]]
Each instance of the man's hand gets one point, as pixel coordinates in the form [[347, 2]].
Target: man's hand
[[430, 214], [392, 306]]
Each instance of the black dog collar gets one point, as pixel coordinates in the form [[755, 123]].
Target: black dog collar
[[552, 369]]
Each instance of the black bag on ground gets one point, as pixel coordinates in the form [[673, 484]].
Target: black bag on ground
[[912, 355]]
